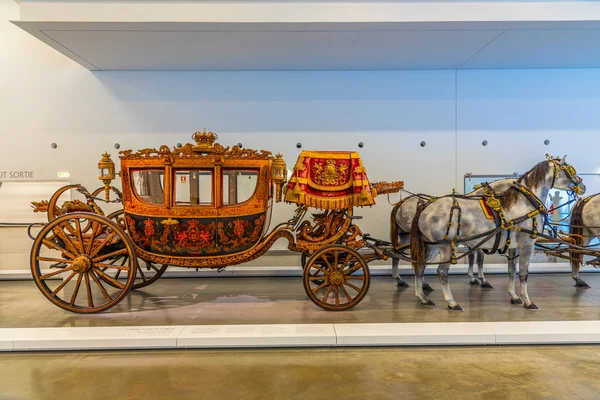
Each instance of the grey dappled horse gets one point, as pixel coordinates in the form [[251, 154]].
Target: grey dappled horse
[[401, 220], [435, 226]]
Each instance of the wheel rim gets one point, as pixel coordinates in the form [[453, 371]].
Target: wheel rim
[[80, 259], [336, 278]]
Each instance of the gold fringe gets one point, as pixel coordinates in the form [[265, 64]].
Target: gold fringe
[[332, 203]]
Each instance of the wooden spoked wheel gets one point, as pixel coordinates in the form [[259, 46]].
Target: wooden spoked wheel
[[80, 259], [336, 278], [142, 278]]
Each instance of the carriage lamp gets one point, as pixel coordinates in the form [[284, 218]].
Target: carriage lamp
[[106, 173], [278, 175]]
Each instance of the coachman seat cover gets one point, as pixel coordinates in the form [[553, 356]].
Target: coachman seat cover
[[331, 180]]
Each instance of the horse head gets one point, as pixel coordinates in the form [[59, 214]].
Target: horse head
[[565, 176]]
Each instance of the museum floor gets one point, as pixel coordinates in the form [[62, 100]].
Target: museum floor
[[282, 300], [563, 372], [489, 372]]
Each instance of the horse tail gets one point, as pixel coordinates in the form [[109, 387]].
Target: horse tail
[[417, 244], [576, 229], [394, 234]]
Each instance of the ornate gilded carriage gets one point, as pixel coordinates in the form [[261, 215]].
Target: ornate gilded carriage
[[200, 205], [203, 205]]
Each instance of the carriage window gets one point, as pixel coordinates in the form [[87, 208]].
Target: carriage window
[[149, 185], [238, 185], [193, 187]]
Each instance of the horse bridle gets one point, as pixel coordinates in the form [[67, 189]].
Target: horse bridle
[[569, 171]]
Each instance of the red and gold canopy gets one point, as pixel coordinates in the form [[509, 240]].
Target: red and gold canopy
[[330, 180]]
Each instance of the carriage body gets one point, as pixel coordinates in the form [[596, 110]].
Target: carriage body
[[197, 206]]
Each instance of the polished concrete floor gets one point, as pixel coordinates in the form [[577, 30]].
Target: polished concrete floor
[[196, 301], [565, 372]]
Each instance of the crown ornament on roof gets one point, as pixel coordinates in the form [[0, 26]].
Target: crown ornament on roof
[[204, 141]]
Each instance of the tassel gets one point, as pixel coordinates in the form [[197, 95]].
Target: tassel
[[364, 194]]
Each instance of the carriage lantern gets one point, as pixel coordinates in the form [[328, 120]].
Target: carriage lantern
[[106, 173], [278, 175]]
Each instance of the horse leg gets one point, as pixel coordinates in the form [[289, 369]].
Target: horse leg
[[484, 283], [396, 273], [426, 286], [512, 275], [524, 261], [579, 283], [419, 270], [472, 279], [443, 275]]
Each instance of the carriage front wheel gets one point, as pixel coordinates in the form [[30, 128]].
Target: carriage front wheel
[[69, 262], [336, 277]]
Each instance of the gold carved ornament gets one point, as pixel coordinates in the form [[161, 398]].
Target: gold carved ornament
[[205, 149]]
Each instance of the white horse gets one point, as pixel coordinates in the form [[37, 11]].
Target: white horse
[[584, 225], [443, 224], [401, 220]]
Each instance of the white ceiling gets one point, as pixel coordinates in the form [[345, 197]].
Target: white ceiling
[[334, 46]]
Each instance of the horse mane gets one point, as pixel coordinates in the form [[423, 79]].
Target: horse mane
[[532, 179]]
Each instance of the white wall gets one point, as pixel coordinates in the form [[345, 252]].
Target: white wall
[[46, 98]]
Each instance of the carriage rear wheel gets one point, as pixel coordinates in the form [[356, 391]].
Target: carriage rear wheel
[[143, 278], [336, 278], [63, 250]]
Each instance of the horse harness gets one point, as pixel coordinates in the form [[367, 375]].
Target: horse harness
[[491, 200]]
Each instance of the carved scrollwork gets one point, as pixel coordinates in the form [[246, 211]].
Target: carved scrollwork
[[190, 151], [326, 224]]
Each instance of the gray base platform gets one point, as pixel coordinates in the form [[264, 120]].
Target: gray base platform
[[275, 312]]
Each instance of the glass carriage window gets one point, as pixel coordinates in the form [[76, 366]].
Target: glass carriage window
[[238, 185], [149, 185], [193, 187]]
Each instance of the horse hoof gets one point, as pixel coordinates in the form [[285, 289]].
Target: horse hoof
[[427, 288], [402, 284], [457, 307], [429, 303], [516, 301], [473, 281], [582, 284], [532, 307], [486, 285]]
